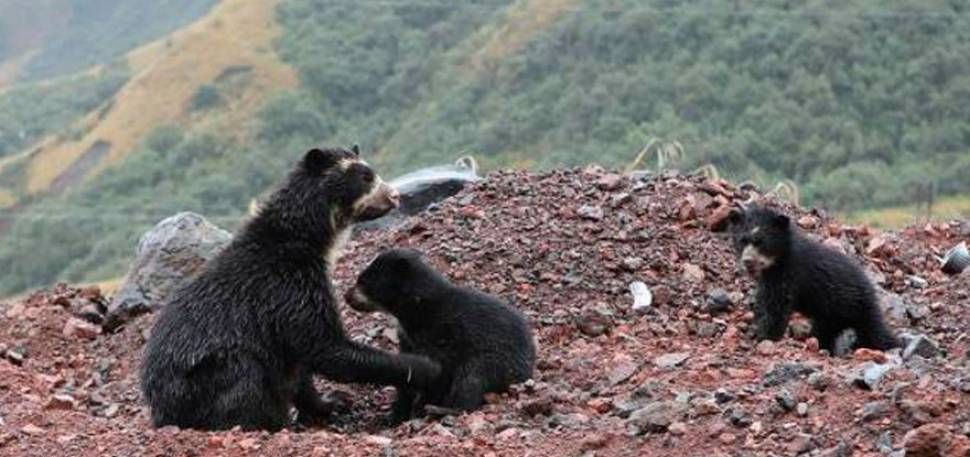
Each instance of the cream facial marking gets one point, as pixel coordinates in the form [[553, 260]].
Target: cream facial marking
[[361, 302], [344, 164], [377, 187], [754, 260], [336, 249]]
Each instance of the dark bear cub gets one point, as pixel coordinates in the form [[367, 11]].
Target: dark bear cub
[[795, 273], [482, 344], [238, 344]]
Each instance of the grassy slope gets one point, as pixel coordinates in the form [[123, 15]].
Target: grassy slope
[[944, 209], [477, 58], [27, 24], [166, 73]]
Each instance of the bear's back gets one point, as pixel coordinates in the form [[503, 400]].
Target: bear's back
[[482, 328], [826, 282], [240, 301]]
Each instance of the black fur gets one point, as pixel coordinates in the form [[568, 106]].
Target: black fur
[[483, 345], [238, 345], [805, 276]]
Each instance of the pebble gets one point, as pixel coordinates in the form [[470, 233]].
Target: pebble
[[507, 434], [819, 381], [727, 438], [671, 360], [718, 301], [785, 372], [765, 347], [677, 428], [870, 355], [926, 441], [693, 273], [922, 346], [593, 213], [785, 399], [31, 429], [739, 418], [623, 368], [657, 416], [870, 374], [723, 396], [801, 444], [61, 402], [874, 410], [77, 328]]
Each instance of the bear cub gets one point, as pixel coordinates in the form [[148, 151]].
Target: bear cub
[[796, 273], [482, 344], [239, 344]]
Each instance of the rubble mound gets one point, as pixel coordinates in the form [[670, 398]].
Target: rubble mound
[[678, 375]]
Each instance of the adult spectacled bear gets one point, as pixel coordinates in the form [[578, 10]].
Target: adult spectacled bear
[[238, 344]]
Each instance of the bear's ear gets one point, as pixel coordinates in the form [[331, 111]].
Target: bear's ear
[[735, 216], [356, 150], [406, 259], [401, 265], [781, 221], [316, 161]]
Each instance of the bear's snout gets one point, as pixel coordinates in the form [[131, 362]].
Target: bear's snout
[[380, 201], [357, 301]]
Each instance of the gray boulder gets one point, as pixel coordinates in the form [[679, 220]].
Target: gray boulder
[[175, 249]]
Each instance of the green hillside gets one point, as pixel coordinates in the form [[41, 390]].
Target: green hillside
[[64, 37], [836, 96], [859, 102]]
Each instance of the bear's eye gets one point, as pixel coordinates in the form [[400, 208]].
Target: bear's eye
[[368, 176]]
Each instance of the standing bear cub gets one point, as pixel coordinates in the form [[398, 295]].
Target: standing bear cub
[[795, 273], [238, 345], [482, 344]]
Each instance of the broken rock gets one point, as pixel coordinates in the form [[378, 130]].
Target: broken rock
[[671, 360], [77, 328], [657, 416], [922, 346], [870, 375]]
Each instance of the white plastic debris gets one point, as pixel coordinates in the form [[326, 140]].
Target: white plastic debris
[[642, 298], [956, 259]]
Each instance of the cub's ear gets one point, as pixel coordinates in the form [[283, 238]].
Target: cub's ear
[[317, 161], [356, 150], [735, 216], [405, 259], [781, 221]]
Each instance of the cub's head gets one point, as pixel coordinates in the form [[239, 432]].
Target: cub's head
[[395, 282], [349, 188], [760, 235]]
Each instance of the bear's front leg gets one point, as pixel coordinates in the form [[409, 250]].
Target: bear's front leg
[[310, 407], [771, 312], [349, 361]]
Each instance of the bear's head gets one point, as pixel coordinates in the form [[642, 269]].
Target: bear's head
[[395, 282], [327, 191], [761, 236], [339, 178]]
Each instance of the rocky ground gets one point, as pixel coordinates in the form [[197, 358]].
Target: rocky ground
[[679, 377]]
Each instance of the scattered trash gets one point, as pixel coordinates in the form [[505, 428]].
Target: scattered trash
[[642, 298], [956, 259]]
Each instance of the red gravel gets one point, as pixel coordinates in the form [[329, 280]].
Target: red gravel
[[562, 246]]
